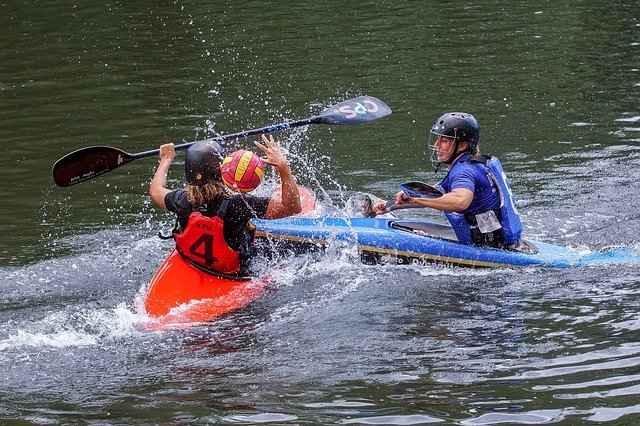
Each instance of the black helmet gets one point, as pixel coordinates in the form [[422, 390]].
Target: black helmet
[[460, 126], [202, 163]]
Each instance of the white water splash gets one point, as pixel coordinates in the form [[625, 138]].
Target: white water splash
[[60, 339], [70, 329], [346, 277]]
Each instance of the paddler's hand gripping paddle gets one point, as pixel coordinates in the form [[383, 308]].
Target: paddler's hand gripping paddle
[[413, 189]]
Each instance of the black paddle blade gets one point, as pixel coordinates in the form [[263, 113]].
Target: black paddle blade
[[362, 109], [87, 163], [418, 189]]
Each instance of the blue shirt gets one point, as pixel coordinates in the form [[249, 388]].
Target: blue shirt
[[472, 176]]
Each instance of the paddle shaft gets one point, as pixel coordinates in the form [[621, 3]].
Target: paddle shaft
[[87, 163], [244, 134]]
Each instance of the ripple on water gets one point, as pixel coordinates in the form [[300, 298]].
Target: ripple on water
[[527, 417], [412, 419], [259, 418]]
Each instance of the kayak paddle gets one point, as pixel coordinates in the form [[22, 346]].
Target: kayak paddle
[[88, 163]]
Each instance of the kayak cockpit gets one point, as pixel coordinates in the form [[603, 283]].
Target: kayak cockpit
[[425, 229], [445, 232]]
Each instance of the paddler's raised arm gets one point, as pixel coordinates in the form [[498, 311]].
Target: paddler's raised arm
[[289, 204], [157, 187]]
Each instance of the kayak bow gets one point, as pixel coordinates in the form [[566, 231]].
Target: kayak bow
[[180, 293]]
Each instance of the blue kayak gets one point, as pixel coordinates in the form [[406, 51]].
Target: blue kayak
[[410, 240]]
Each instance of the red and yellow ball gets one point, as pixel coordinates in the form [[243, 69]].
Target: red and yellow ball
[[242, 170]]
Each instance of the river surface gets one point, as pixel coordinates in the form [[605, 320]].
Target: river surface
[[555, 86]]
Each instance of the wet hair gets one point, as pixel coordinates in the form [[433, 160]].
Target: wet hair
[[202, 194], [474, 151]]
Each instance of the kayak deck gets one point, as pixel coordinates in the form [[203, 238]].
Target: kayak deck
[[420, 240], [404, 241]]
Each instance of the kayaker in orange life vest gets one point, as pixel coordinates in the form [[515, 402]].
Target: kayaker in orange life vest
[[213, 230], [477, 198]]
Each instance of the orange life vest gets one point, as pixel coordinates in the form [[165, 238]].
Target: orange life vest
[[202, 242]]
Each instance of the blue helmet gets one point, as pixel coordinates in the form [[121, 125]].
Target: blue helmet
[[460, 126]]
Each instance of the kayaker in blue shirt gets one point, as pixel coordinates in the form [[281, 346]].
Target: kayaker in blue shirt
[[477, 198], [213, 229]]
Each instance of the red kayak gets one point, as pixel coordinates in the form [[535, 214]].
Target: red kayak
[[180, 294]]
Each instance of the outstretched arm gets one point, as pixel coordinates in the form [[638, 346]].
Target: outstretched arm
[[455, 201], [290, 196], [157, 187]]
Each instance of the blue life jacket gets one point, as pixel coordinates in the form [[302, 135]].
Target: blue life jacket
[[460, 226], [509, 217], [508, 214]]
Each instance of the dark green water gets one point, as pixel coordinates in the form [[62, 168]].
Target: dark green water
[[555, 86]]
